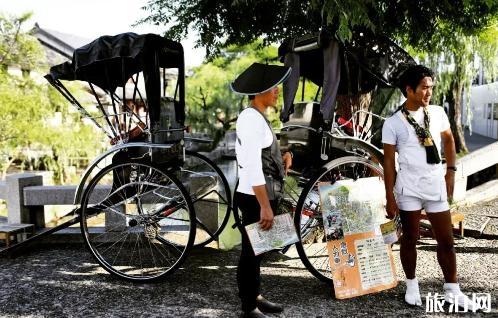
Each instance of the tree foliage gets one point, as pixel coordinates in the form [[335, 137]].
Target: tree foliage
[[212, 107], [454, 55], [18, 48], [21, 114], [69, 138], [455, 30], [31, 132], [38, 129], [487, 51], [221, 23], [233, 22]]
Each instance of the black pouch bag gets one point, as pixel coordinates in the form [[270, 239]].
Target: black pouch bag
[[274, 188]]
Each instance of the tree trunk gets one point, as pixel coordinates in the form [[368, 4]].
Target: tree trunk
[[455, 116], [6, 166]]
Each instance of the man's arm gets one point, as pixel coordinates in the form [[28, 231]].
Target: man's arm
[[266, 213], [390, 179], [450, 156]]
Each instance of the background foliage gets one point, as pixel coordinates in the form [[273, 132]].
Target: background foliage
[[39, 131], [448, 34], [212, 107]]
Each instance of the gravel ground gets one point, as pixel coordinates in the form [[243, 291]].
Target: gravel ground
[[65, 281]]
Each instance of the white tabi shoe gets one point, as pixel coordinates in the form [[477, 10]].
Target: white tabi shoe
[[453, 295], [412, 295]]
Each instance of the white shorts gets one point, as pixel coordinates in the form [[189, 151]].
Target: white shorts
[[409, 203]]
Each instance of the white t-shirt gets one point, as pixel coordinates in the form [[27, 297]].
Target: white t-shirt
[[253, 134], [395, 130], [415, 176]]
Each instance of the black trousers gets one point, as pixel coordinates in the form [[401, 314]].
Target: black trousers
[[248, 271]]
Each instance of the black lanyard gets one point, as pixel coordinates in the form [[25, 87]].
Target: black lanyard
[[424, 135]]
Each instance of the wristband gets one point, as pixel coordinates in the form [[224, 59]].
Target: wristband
[[452, 168]]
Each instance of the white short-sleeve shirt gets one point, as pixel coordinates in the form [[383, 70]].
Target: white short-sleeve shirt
[[395, 131], [415, 176], [253, 134]]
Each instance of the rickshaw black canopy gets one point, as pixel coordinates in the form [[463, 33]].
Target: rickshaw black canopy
[[358, 66], [109, 61]]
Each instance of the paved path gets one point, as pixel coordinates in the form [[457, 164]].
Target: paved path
[[481, 220], [476, 141], [64, 281]]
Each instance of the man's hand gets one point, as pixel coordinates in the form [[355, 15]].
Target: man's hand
[[450, 183], [287, 159], [391, 207], [266, 218]]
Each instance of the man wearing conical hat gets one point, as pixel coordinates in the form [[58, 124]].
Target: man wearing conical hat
[[261, 170]]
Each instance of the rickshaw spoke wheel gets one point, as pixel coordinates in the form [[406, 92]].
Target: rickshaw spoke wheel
[[137, 221], [312, 248], [210, 193]]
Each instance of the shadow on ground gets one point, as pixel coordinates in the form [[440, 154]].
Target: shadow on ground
[[65, 281]]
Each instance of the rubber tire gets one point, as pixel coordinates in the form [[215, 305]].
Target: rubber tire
[[108, 267], [227, 191], [297, 215]]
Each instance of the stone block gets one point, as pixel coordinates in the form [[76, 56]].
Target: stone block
[[18, 212], [49, 195], [460, 190], [475, 224]]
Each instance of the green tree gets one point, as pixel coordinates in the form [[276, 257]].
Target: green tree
[[28, 134], [233, 22], [22, 111], [70, 138], [212, 107], [425, 25], [23, 107], [221, 23], [454, 55], [17, 47], [28, 105]]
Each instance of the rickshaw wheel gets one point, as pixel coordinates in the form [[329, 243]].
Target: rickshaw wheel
[[312, 247], [137, 221], [210, 194]]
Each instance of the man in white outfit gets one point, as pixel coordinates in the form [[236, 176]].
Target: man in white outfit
[[415, 132]]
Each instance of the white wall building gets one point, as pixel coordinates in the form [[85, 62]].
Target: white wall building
[[484, 110]]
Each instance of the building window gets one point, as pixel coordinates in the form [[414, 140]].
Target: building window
[[496, 111], [487, 114]]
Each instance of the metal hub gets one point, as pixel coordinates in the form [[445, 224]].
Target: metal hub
[[151, 231]]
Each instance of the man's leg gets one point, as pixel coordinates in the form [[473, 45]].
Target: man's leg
[[446, 256], [248, 270], [410, 223], [443, 231], [262, 303], [248, 275]]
